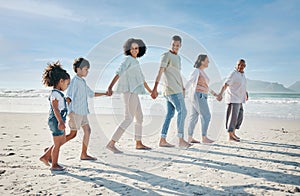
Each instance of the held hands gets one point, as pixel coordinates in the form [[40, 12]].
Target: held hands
[[219, 97], [154, 94], [109, 92]]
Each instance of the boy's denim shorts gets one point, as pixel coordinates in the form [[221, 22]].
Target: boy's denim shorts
[[53, 125]]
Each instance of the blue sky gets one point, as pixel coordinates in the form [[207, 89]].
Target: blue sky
[[265, 33]]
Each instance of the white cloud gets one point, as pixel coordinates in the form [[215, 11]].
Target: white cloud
[[42, 8]]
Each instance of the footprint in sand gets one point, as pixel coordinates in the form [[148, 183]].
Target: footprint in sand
[[10, 154]]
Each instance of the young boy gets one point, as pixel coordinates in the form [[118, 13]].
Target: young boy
[[77, 94], [173, 92]]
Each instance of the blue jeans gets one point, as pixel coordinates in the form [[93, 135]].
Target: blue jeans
[[175, 102], [199, 107]]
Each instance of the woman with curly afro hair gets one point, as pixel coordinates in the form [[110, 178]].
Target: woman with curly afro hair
[[131, 83]]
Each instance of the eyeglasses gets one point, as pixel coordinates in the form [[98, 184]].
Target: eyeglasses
[[134, 48]]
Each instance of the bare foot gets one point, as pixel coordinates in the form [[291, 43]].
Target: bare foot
[[206, 140], [49, 159], [57, 168], [184, 144], [113, 149], [233, 139], [88, 158], [193, 141], [236, 136], [142, 147], [45, 161], [163, 143]]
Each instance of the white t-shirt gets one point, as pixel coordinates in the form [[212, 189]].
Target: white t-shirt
[[236, 91], [61, 102]]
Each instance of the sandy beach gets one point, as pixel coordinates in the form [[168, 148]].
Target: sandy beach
[[265, 162]]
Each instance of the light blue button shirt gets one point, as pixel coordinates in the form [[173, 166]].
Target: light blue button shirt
[[131, 78], [78, 92]]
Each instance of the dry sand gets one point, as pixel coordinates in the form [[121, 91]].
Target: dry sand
[[265, 162]]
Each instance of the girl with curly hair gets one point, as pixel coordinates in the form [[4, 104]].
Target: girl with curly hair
[[58, 78]]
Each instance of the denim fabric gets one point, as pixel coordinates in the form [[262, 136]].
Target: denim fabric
[[52, 121], [175, 102], [199, 107]]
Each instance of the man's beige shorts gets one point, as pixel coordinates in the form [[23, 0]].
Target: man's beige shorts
[[76, 121]]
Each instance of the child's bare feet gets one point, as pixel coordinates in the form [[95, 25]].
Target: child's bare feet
[[184, 144], [87, 158], [49, 159], [44, 160], [206, 140], [140, 146], [163, 143]]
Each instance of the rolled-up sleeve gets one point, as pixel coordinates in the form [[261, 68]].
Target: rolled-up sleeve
[[123, 67], [229, 80], [70, 91], [164, 60], [90, 92]]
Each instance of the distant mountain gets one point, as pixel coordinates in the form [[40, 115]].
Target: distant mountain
[[295, 87], [260, 86]]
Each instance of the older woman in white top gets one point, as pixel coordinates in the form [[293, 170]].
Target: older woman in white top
[[235, 95], [198, 88], [131, 83]]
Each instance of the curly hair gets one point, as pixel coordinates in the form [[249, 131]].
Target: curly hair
[[199, 60], [80, 63], [139, 42], [53, 73]]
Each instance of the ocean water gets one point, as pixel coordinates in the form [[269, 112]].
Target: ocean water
[[265, 105]]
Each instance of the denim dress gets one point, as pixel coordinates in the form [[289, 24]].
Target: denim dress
[[52, 121]]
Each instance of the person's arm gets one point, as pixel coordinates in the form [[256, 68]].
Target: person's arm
[[154, 93], [147, 87], [113, 82], [100, 94], [213, 93], [68, 100], [219, 96], [91, 93], [61, 124], [70, 92]]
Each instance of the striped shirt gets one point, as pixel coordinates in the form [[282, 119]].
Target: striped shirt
[[79, 92]]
